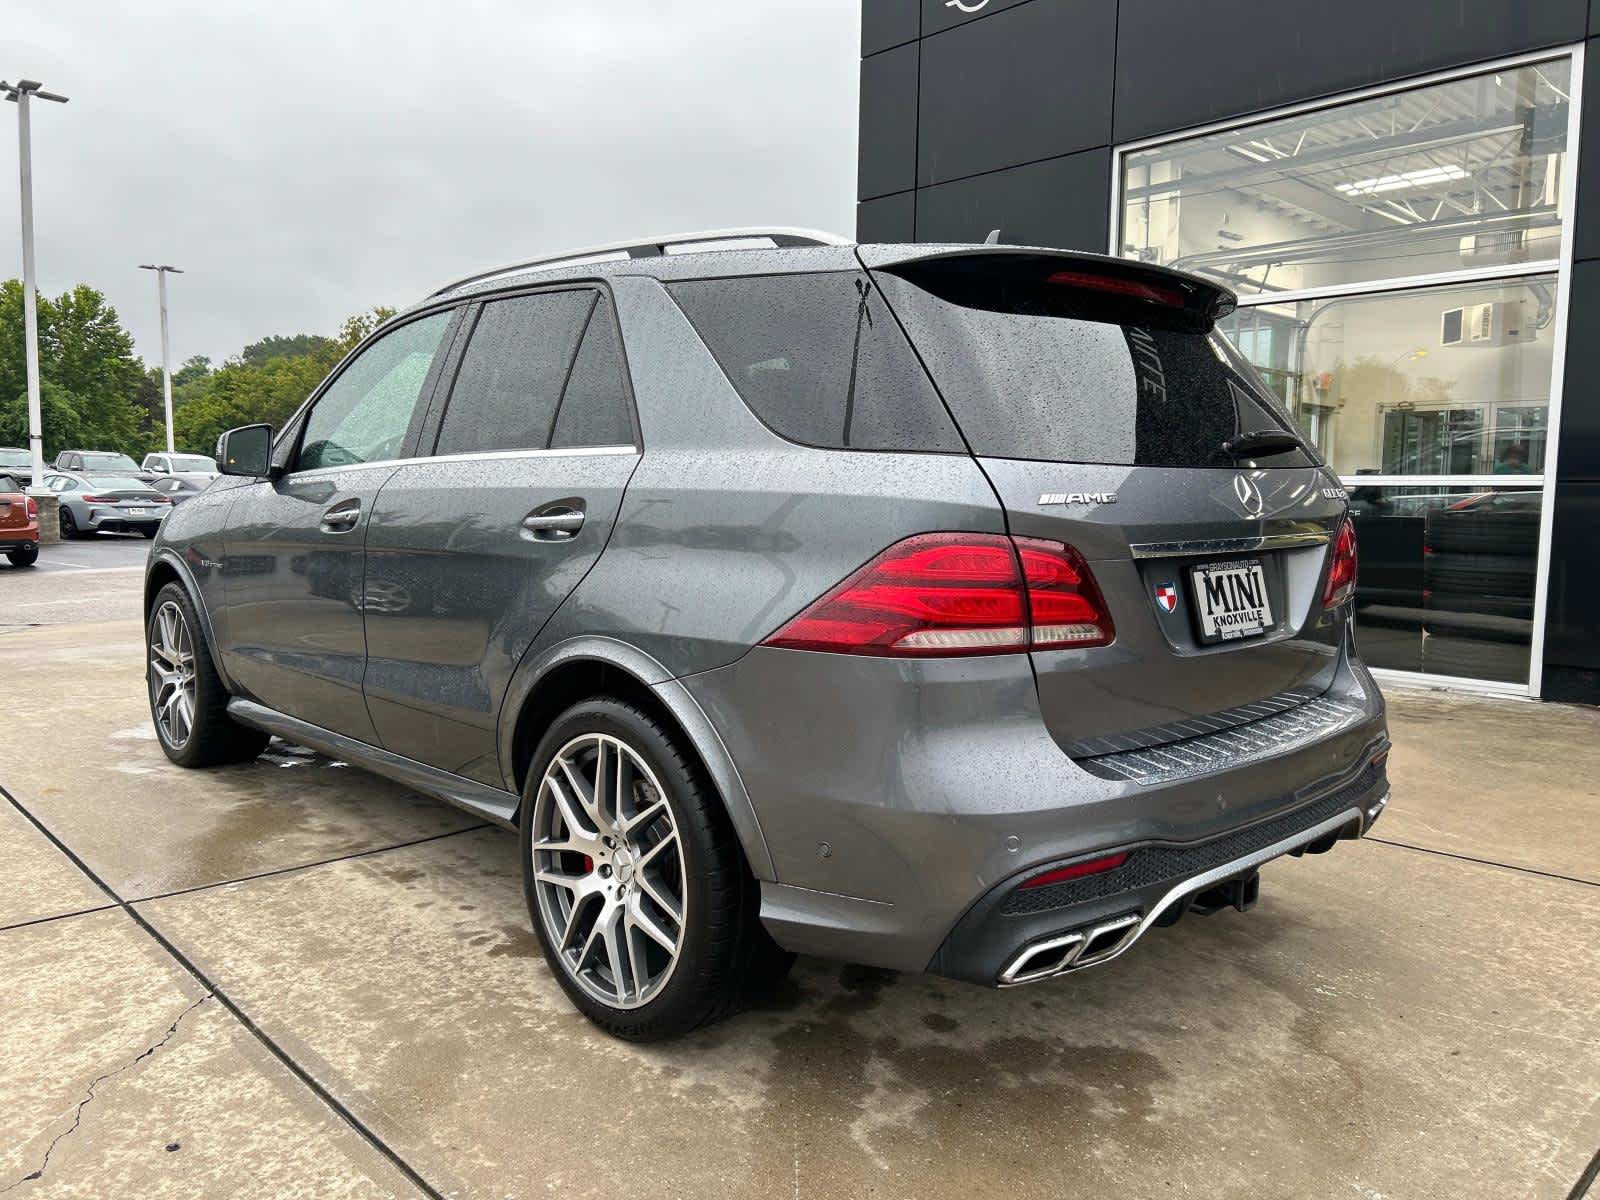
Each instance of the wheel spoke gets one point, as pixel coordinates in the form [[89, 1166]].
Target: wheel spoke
[[636, 957], [645, 815], [580, 790], [576, 830], [646, 924], [664, 901], [656, 851], [612, 920], [561, 879]]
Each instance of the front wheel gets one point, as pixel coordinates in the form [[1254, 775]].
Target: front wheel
[[24, 556], [188, 703], [634, 877]]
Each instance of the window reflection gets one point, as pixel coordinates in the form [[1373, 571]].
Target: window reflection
[[1447, 577]]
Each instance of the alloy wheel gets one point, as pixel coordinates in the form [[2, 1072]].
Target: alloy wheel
[[609, 870], [172, 674]]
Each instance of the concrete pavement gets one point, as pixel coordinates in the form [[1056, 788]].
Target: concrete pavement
[[313, 983]]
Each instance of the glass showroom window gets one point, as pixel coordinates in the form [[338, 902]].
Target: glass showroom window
[[1399, 260]]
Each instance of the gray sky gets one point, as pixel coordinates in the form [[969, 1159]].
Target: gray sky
[[304, 161]]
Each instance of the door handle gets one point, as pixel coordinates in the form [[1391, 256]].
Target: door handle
[[557, 523], [342, 517]]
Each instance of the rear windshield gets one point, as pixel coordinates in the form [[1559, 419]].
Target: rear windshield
[[192, 462], [101, 460], [15, 458], [1036, 368], [116, 483]]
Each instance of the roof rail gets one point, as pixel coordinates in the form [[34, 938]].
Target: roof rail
[[654, 248]]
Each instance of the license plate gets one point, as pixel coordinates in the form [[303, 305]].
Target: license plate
[[1230, 599], [136, 512]]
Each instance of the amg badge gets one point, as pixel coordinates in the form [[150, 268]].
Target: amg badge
[[1077, 498]]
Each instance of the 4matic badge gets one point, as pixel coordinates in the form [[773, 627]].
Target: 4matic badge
[[1167, 597]]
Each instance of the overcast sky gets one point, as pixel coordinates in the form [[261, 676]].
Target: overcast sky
[[304, 161]]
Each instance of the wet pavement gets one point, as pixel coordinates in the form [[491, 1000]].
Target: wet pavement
[[293, 978]]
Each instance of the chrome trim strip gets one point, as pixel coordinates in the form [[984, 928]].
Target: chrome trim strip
[[1266, 541], [473, 456], [1185, 887]]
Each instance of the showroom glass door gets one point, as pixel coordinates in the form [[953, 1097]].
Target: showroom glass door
[[1401, 257]]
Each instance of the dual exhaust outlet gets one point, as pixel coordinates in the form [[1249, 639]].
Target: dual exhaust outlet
[[1093, 944]]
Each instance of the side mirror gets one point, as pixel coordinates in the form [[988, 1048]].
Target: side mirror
[[246, 450]]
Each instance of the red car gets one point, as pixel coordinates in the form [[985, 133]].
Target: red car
[[19, 524]]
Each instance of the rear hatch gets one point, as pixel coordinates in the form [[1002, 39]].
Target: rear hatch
[[13, 505], [126, 496], [1109, 415]]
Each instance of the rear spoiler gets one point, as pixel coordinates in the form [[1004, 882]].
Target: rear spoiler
[[1202, 299]]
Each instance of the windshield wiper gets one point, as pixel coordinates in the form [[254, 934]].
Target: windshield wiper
[[1260, 441]]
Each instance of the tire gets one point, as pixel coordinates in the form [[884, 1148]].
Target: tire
[[24, 556], [69, 524], [723, 955], [207, 736]]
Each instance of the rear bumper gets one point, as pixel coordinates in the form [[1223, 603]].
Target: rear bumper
[[902, 803]]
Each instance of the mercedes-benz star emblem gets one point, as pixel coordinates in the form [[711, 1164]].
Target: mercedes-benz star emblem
[[1249, 495]]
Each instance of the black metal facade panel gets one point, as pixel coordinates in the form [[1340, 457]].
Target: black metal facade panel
[[1061, 202], [1586, 232], [939, 15], [887, 152], [1028, 83], [887, 219], [1181, 65], [1571, 629], [886, 23], [1580, 395]]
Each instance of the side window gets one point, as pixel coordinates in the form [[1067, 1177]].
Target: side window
[[594, 408], [364, 414], [820, 360], [507, 390]]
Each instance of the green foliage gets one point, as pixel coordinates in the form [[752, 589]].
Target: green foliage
[[96, 393]]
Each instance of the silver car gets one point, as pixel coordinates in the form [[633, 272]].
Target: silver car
[[97, 503], [965, 609]]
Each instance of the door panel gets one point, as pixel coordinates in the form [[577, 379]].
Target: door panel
[[292, 586], [459, 582]]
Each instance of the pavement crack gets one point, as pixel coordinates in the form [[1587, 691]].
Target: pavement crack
[[89, 1094]]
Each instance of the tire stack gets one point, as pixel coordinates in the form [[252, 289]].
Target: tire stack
[[1479, 568]]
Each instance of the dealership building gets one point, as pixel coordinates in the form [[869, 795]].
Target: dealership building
[[1396, 194]]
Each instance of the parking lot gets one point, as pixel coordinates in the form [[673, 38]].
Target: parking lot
[[294, 979]]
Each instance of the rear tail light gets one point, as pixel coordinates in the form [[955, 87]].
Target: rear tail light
[[947, 594], [33, 509], [99, 499], [160, 499], [1093, 866], [1342, 570]]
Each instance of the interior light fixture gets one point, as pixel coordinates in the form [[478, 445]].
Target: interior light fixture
[[1421, 177]]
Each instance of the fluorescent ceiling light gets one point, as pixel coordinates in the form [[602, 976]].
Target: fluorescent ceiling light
[[1421, 177]]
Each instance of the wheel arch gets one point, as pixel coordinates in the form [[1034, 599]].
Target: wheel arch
[[167, 567], [585, 667]]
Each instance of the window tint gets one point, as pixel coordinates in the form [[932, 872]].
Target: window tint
[[820, 359], [363, 415], [1036, 364], [510, 381], [594, 408]]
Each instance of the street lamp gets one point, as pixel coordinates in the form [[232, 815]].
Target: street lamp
[[166, 369], [20, 93]]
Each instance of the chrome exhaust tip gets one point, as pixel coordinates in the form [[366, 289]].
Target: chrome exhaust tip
[[1068, 951]]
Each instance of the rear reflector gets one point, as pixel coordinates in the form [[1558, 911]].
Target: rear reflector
[[1342, 570], [950, 594], [1093, 866], [1136, 289]]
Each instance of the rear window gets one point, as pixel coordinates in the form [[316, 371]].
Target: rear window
[[820, 360], [118, 483], [101, 462], [1037, 368]]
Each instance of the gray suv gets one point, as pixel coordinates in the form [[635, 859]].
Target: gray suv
[[965, 609]]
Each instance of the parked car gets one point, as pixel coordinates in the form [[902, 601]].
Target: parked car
[[179, 488], [162, 463], [17, 462], [963, 609], [107, 504], [101, 461], [19, 522]]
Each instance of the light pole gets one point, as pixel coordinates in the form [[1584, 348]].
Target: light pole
[[166, 368], [20, 93]]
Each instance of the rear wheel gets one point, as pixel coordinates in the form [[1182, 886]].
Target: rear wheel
[[69, 523], [188, 703], [24, 556], [634, 877]]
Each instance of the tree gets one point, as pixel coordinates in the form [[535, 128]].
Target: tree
[[277, 346]]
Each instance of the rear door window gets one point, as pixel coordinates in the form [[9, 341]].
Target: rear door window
[[1036, 365], [820, 359], [513, 372], [594, 408]]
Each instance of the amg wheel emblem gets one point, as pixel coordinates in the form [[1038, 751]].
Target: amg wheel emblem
[[1049, 498], [1248, 494], [1167, 597], [976, 6]]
